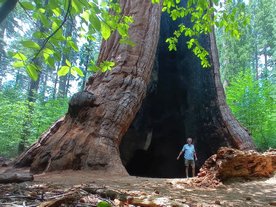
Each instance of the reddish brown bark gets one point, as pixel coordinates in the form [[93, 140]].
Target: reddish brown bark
[[89, 137], [238, 136]]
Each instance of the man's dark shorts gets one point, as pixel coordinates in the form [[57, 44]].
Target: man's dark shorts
[[189, 162]]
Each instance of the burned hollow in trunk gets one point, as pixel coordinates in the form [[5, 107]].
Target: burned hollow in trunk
[[181, 102]]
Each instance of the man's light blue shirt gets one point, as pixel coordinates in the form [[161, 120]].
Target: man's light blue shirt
[[189, 151]]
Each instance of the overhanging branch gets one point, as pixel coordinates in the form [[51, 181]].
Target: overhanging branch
[[51, 35]]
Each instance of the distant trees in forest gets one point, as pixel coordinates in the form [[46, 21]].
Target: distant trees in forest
[[248, 68]]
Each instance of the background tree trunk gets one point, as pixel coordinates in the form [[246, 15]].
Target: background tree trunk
[[44, 83], [63, 80], [90, 134], [6, 8]]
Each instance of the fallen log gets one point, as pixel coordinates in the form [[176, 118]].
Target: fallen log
[[14, 177], [230, 163]]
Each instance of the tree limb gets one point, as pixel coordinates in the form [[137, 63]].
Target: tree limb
[[51, 35], [25, 10]]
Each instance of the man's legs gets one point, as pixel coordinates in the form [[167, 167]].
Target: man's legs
[[187, 168], [187, 171], [193, 167]]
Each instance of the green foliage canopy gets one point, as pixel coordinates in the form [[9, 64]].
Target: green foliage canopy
[[49, 38], [50, 18], [204, 15], [15, 114], [253, 103]]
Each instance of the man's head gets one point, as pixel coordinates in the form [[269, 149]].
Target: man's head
[[189, 140]]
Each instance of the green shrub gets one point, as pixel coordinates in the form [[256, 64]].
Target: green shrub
[[253, 103], [18, 116]]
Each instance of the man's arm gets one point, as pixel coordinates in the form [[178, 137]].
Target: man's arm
[[195, 155], [180, 153]]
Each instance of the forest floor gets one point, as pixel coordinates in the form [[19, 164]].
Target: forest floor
[[88, 187]]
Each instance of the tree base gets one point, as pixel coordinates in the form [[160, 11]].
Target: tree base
[[65, 147]]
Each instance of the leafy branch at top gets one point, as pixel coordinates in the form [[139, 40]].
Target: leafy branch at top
[[55, 31], [89, 20], [203, 15]]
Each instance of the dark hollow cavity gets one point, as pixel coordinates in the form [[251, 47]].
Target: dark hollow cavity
[[180, 103]]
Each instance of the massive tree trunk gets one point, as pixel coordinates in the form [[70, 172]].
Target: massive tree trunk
[[90, 134], [182, 100]]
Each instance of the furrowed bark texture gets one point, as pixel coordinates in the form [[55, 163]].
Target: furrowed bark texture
[[90, 134], [238, 136]]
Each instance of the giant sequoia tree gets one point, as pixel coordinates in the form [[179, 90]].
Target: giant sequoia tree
[[181, 100]]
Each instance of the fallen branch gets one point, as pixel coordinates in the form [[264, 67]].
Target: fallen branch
[[56, 30], [65, 199], [15, 177]]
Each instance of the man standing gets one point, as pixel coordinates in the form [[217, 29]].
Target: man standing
[[189, 156]]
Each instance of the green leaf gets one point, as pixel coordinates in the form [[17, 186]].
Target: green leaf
[[95, 22], [32, 71], [76, 6], [30, 44], [190, 43], [41, 10], [68, 63], [64, 70], [73, 45], [123, 29], [105, 30], [103, 204], [93, 68], [107, 65], [78, 71], [155, 1], [38, 35], [51, 62], [55, 25], [48, 51], [44, 20], [128, 19], [27, 5], [20, 56], [52, 4], [95, 7], [18, 64], [56, 11], [127, 41], [85, 15]]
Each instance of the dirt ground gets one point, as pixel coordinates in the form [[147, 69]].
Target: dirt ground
[[166, 192]]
